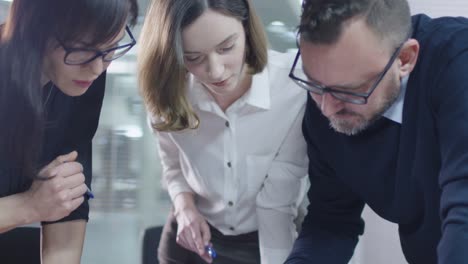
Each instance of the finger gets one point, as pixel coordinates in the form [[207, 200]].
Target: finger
[[197, 239], [184, 242], [73, 181], [206, 257], [67, 157], [181, 237], [64, 158], [52, 166], [68, 169], [191, 242], [206, 233], [78, 191], [75, 203], [49, 171], [186, 238]]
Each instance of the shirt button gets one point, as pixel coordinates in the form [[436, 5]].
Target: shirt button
[[227, 123], [229, 164], [230, 203], [231, 228]]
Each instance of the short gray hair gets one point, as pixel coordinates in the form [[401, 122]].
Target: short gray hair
[[322, 20]]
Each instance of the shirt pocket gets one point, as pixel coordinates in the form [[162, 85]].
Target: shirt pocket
[[257, 167]]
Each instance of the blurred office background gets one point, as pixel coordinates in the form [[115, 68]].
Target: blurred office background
[[127, 172]]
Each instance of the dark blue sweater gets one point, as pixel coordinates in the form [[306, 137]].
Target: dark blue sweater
[[414, 174]]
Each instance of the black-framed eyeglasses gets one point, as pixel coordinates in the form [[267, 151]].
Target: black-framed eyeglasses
[[80, 56], [340, 93]]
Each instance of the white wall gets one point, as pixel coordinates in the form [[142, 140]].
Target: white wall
[[437, 8]]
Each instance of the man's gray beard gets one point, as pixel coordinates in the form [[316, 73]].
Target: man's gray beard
[[347, 127]]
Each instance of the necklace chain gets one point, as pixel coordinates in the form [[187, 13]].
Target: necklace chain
[[48, 95]]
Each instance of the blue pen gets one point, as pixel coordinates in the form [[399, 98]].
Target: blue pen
[[89, 193], [210, 250]]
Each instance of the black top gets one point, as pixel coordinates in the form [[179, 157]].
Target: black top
[[414, 174], [71, 123]]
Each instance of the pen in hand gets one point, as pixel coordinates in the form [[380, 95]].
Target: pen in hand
[[210, 250], [89, 193]]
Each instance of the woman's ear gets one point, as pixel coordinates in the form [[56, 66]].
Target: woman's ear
[[408, 57]]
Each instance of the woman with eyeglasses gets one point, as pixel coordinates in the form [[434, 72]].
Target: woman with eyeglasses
[[228, 123], [53, 57]]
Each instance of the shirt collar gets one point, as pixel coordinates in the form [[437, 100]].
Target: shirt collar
[[395, 112], [259, 93]]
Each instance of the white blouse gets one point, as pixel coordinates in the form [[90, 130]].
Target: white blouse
[[246, 165]]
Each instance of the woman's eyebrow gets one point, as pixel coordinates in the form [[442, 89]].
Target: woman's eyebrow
[[229, 38]]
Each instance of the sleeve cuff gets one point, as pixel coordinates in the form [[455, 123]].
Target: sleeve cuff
[[175, 189]]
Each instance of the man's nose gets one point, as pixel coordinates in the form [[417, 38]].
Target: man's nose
[[328, 104]]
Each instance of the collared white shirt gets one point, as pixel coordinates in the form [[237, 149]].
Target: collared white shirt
[[246, 165], [395, 112]]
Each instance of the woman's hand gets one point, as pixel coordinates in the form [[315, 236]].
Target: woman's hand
[[62, 190], [193, 232]]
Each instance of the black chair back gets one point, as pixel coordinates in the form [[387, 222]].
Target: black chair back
[[150, 245]]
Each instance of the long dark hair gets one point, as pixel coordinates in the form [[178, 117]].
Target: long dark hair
[[30, 28]]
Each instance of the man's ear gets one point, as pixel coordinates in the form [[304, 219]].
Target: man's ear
[[408, 57]]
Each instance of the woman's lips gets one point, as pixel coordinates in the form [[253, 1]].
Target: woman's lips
[[83, 84], [222, 83]]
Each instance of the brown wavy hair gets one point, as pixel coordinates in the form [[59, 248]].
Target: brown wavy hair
[[162, 74]]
